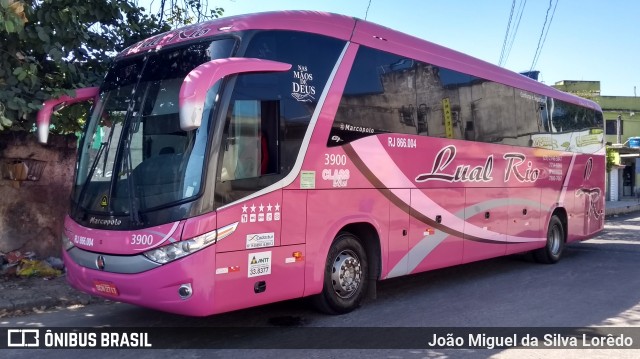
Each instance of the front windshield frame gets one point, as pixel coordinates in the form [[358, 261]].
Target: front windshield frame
[[113, 198]]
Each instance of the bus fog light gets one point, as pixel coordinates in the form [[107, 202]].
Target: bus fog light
[[185, 291]]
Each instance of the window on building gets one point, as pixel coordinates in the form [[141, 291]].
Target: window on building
[[611, 127]]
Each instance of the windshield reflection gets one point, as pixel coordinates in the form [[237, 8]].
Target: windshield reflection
[[134, 156]]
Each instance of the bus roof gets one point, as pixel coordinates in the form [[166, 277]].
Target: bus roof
[[361, 32]]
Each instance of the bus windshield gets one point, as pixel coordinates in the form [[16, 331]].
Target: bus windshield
[[134, 156]]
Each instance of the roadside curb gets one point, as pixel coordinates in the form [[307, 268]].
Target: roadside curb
[[630, 207]]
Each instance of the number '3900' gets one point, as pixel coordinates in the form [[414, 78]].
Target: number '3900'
[[143, 239]]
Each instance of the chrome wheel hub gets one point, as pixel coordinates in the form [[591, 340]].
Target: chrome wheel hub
[[346, 274], [554, 240]]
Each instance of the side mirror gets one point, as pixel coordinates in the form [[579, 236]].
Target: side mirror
[[197, 83], [44, 115]]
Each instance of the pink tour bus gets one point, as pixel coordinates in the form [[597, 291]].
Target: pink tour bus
[[258, 158]]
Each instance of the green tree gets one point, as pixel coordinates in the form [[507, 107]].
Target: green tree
[[182, 12], [48, 47]]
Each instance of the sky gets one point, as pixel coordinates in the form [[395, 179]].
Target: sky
[[590, 40]]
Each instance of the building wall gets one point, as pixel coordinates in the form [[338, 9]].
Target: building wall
[[583, 88], [621, 103], [32, 212], [630, 124], [625, 107], [614, 183]]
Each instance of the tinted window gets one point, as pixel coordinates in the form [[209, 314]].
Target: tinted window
[[443, 101], [269, 113], [389, 93], [531, 118], [379, 97], [567, 117]]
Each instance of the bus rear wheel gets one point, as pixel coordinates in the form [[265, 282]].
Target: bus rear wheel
[[552, 251], [345, 276]]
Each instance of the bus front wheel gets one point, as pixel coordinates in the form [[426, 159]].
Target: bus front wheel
[[345, 276], [552, 251]]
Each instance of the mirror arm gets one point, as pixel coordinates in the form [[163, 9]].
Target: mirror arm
[[44, 115], [197, 83]]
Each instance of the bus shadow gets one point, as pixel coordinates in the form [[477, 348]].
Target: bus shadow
[[593, 284]]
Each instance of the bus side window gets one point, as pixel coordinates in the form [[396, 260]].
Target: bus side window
[[249, 147], [250, 152], [379, 97], [269, 113]]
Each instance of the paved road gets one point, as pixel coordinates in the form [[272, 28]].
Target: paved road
[[596, 284]]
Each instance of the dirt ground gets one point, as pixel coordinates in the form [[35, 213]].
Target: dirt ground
[[22, 295]]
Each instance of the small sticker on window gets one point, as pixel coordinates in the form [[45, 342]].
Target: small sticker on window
[[303, 91], [308, 179]]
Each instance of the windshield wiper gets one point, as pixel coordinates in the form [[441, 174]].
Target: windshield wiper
[[133, 124], [128, 170], [134, 127], [106, 155]]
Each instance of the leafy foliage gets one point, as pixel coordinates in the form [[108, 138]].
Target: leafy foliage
[[48, 47], [189, 12]]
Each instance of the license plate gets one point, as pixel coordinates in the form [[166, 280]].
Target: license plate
[[105, 287]]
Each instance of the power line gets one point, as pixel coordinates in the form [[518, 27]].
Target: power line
[[367, 12], [543, 34], [515, 32], [546, 33], [506, 34]]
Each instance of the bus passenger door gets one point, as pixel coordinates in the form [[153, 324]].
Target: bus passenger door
[[437, 226], [255, 265], [486, 215]]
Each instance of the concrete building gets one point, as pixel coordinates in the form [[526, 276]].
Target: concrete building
[[624, 178]]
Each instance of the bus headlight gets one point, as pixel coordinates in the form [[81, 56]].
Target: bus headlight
[[66, 242], [180, 249]]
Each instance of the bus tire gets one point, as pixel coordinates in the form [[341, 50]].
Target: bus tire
[[552, 251], [345, 276]]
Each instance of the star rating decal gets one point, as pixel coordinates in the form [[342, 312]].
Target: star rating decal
[[272, 213]]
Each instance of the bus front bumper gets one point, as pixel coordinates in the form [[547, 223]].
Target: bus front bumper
[[184, 286]]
